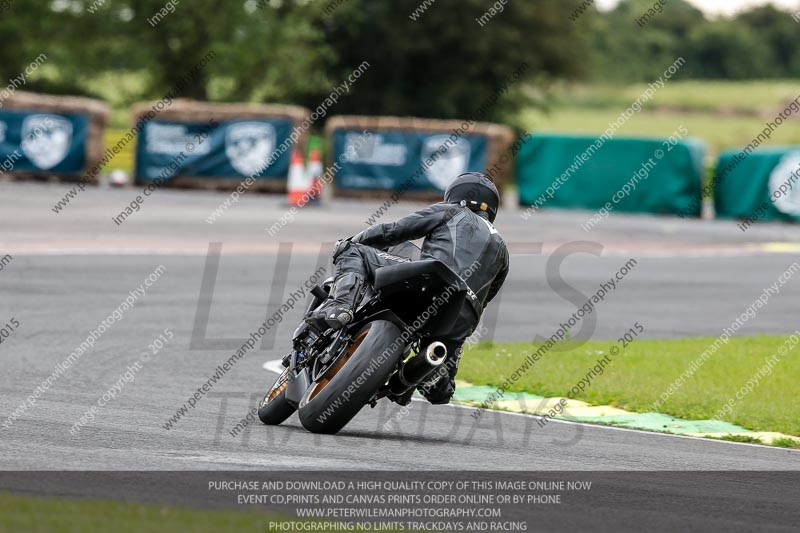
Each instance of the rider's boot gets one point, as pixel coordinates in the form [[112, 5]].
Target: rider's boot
[[337, 311], [402, 399]]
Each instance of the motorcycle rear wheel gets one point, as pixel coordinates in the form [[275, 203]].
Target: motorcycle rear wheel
[[339, 394]]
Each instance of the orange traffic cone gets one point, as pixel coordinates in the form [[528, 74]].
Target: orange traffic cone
[[315, 170], [299, 184]]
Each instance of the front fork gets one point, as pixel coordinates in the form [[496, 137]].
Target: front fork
[[297, 385], [299, 378]]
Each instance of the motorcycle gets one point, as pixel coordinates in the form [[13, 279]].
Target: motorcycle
[[329, 376]]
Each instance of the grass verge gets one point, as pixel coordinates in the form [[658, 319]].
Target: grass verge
[[637, 377], [719, 132], [124, 159], [51, 515], [754, 96]]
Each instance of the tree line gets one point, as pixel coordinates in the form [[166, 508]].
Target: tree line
[[440, 64]]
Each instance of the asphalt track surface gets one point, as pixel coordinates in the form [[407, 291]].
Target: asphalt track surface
[[71, 270]]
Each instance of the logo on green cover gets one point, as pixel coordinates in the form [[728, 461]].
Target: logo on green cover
[[784, 184]]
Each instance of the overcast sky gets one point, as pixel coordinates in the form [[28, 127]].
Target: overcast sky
[[716, 7]]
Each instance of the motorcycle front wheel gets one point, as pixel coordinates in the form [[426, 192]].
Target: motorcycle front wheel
[[275, 408]]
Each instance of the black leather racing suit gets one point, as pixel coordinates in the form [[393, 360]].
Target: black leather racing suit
[[462, 239]]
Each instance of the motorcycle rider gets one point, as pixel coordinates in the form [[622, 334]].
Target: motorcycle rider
[[458, 232]]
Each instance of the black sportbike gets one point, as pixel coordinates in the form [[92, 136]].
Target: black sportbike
[[330, 375]]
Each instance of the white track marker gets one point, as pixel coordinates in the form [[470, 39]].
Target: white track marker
[[273, 366]]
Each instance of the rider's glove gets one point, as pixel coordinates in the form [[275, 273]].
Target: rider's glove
[[356, 238]]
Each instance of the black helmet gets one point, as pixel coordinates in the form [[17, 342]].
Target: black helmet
[[476, 191]]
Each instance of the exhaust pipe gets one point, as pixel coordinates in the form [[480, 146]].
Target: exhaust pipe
[[418, 368]]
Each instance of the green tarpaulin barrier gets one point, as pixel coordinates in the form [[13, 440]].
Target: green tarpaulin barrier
[[763, 185], [632, 175]]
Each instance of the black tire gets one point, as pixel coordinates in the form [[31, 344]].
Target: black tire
[[275, 408], [325, 408]]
